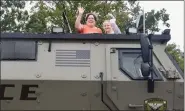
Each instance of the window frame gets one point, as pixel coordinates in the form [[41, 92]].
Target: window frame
[[126, 72], [19, 59]]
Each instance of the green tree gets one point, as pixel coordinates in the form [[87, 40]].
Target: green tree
[[39, 19], [153, 17], [13, 17], [175, 52], [124, 12]]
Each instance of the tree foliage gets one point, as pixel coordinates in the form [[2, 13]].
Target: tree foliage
[[175, 52], [39, 19], [153, 18], [13, 18], [46, 14]]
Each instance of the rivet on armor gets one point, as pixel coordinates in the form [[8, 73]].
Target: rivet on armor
[[181, 96], [114, 77], [114, 88], [40, 43], [38, 93], [38, 75], [84, 94], [38, 101], [83, 76], [96, 43], [169, 91], [97, 77]]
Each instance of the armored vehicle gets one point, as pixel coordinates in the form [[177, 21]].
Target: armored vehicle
[[67, 71]]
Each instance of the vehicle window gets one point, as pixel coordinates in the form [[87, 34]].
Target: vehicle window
[[130, 62], [18, 50]]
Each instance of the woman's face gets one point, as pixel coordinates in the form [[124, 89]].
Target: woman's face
[[91, 20], [107, 27]]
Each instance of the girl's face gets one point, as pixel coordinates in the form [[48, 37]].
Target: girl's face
[[107, 27]]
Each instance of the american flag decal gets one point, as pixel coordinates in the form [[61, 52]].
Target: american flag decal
[[72, 58]]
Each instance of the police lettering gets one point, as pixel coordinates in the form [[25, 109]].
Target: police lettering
[[2, 91], [24, 92]]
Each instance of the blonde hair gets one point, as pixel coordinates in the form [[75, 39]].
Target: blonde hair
[[111, 30], [106, 22]]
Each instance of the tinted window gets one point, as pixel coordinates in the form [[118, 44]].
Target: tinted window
[[7, 50], [130, 63], [18, 50]]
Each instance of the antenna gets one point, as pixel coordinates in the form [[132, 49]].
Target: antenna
[[66, 19], [67, 22]]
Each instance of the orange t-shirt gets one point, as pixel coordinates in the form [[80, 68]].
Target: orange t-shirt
[[86, 30]]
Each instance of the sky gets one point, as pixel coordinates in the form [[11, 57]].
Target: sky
[[176, 11]]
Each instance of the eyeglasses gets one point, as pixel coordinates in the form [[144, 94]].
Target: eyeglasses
[[90, 18]]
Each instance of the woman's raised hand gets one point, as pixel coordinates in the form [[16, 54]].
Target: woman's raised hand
[[80, 10]]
